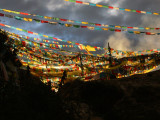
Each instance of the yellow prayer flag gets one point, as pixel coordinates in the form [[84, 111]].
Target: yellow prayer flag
[[68, 25], [6, 10], [19, 29], [45, 36], [89, 48], [84, 22], [105, 28], [15, 12], [46, 17], [28, 19], [156, 13], [147, 28], [118, 26], [137, 32], [99, 5], [127, 9], [35, 44], [69, 41], [125, 51], [88, 51]]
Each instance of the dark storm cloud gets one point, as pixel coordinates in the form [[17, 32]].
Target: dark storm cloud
[[62, 9]]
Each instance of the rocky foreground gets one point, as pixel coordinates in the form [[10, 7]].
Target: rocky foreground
[[133, 98]]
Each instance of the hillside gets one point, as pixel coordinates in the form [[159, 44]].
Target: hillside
[[24, 96], [132, 98]]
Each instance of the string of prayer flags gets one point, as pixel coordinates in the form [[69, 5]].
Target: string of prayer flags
[[44, 45], [25, 42], [30, 32], [111, 7], [90, 28], [71, 21], [136, 69], [118, 52], [89, 48]]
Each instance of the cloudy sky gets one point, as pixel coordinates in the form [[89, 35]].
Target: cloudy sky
[[69, 10]]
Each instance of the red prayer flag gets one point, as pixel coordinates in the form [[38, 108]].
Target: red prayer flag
[[46, 49], [83, 26], [22, 13], [30, 32], [112, 49], [1, 14], [24, 43], [98, 24], [48, 69], [56, 45], [130, 27], [42, 21], [79, 2], [2, 24], [148, 33], [41, 44], [117, 30], [138, 11], [110, 7], [63, 19], [55, 38], [27, 37]]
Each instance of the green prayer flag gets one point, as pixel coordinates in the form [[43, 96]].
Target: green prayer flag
[[105, 6], [76, 26], [133, 10]]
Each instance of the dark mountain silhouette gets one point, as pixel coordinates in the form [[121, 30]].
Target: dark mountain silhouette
[[24, 96]]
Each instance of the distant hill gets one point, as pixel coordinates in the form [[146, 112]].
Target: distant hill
[[132, 98]]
